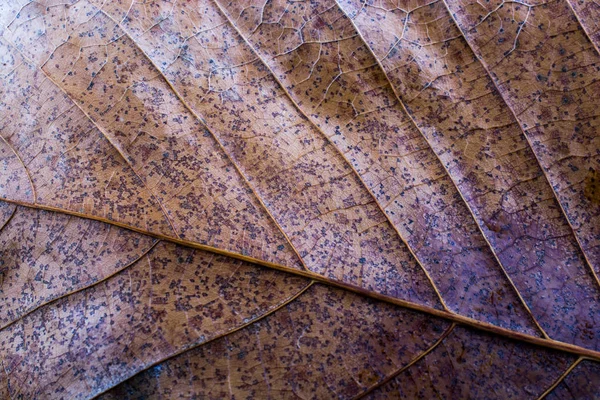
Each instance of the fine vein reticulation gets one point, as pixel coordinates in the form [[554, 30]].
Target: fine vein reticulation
[[299, 199]]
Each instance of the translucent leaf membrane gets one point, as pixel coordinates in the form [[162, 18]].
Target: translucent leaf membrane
[[309, 351], [222, 80], [480, 143], [45, 255], [171, 299]]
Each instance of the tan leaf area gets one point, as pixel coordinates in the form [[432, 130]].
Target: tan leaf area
[[170, 299], [299, 199], [46, 255]]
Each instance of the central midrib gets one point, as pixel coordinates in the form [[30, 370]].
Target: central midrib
[[338, 151], [447, 315], [298, 108], [466, 203]]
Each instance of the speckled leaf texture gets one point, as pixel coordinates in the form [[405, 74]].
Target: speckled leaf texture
[[296, 199]]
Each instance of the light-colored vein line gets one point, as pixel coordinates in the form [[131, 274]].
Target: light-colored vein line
[[106, 136], [408, 114], [524, 132], [12, 214], [561, 378], [82, 288], [186, 349], [448, 315], [580, 22], [214, 136], [407, 366], [33, 193], [301, 111]]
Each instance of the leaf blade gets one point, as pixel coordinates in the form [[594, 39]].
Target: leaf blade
[[293, 145]]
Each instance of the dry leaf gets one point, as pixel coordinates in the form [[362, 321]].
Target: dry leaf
[[296, 199]]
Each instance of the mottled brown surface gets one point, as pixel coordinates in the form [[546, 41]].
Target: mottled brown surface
[[45, 255], [451, 97], [581, 383], [172, 298], [546, 68], [326, 344], [124, 162], [425, 235], [312, 192], [182, 173]]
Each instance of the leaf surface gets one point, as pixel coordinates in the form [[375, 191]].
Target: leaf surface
[[299, 199], [167, 300]]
